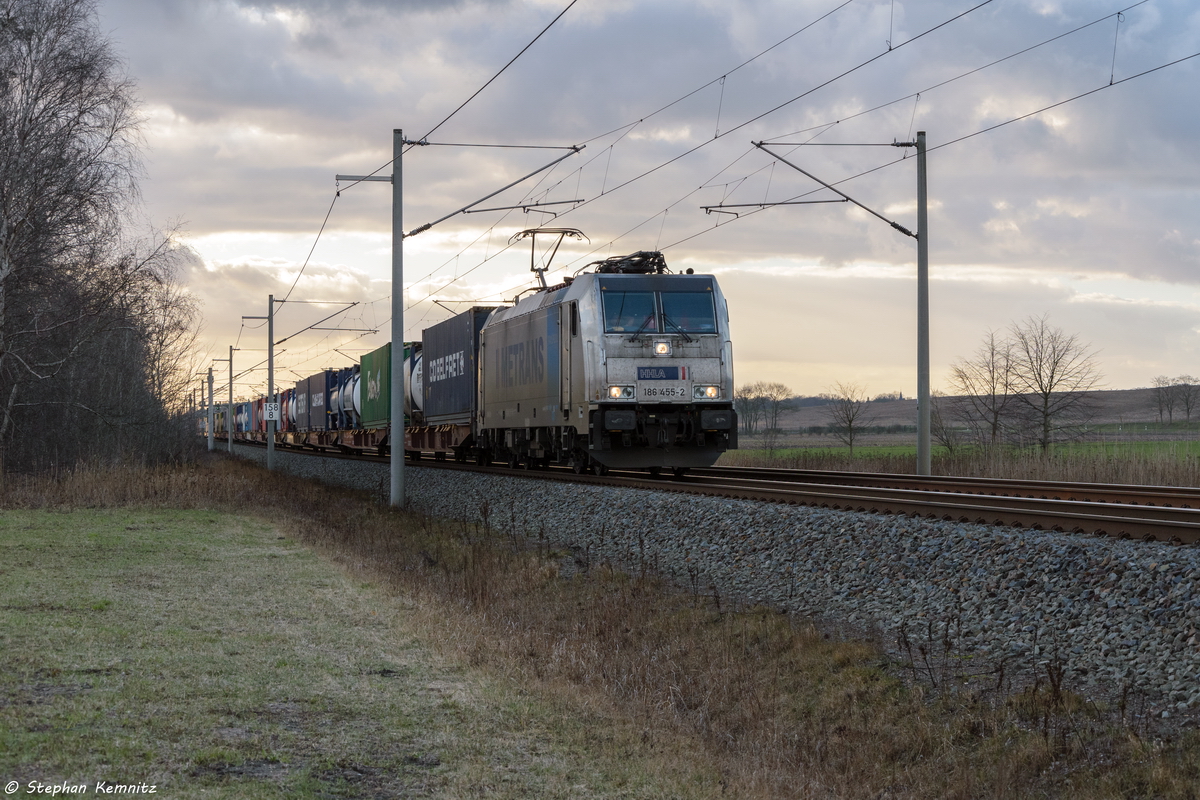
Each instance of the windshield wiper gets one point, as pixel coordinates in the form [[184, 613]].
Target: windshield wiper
[[668, 321], [638, 332]]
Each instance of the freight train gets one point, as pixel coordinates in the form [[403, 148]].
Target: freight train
[[625, 366]]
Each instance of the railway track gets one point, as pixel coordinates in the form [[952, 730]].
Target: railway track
[[1147, 513]]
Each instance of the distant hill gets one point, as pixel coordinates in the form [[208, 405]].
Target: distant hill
[[1115, 406]]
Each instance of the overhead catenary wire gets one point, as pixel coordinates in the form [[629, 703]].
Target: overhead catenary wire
[[448, 117], [915, 96], [605, 191], [825, 126], [966, 74], [629, 127], [313, 249], [956, 140]]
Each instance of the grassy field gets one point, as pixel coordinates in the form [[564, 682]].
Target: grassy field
[[221, 632], [210, 655], [1154, 462]]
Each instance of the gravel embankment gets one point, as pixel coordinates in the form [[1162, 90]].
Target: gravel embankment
[[1114, 612]]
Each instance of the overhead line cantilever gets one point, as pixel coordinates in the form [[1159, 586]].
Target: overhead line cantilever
[[896, 225], [574, 149]]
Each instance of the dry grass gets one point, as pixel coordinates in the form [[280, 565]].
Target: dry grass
[[773, 707]]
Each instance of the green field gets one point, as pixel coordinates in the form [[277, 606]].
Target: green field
[[1170, 462]]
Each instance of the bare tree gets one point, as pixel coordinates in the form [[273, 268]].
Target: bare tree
[[776, 396], [74, 293], [849, 411], [1166, 393], [1052, 373], [168, 316], [750, 402], [984, 382], [942, 413], [1189, 394]]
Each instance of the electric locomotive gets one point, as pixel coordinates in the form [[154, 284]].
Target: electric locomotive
[[623, 366]]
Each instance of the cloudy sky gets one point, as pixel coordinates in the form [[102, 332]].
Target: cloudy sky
[[1088, 212]]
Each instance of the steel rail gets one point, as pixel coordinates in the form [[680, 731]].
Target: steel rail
[[964, 500], [1177, 496]]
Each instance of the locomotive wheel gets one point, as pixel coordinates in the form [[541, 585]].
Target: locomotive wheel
[[514, 461], [655, 471], [679, 472], [599, 469], [578, 466]]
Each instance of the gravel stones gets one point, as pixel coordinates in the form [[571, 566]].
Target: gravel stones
[[1113, 612]]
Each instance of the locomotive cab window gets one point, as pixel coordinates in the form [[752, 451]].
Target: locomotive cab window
[[688, 312], [630, 312]]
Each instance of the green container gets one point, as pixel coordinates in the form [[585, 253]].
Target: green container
[[376, 387]]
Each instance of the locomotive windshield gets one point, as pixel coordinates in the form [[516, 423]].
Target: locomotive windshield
[[650, 312], [629, 312], [688, 312]]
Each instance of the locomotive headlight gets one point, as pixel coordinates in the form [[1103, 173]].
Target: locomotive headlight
[[662, 348], [706, 392], [620, 392]]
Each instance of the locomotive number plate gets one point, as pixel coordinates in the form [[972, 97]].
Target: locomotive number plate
[[662, 391]]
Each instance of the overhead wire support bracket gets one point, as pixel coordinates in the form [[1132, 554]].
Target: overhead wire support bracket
[[575, 148], [424, 143], [720, 208], [318, 322], [762, 146], [524, 207], [348, 330]]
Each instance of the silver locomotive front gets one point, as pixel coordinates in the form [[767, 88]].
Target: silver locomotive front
[[628, 366]]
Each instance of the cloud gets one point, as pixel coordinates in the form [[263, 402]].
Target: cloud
[[253, 107]]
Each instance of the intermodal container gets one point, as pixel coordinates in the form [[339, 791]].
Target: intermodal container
[[450, 367], [319, 391], [376, 390]]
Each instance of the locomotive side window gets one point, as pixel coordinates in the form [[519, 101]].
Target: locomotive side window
[[689, 312], [630, 312]]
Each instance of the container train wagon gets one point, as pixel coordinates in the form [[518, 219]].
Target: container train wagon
[[625, 366]]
